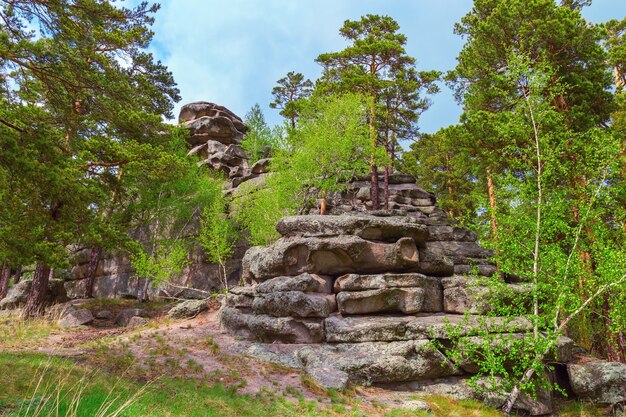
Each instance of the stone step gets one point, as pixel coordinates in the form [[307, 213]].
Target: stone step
[[271, 329], [335, 365], [355, 329], [365, 226]]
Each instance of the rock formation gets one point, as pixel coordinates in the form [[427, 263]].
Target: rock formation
[[358, 296], [215, 134]]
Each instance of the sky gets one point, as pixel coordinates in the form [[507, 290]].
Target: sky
[[233, 52]]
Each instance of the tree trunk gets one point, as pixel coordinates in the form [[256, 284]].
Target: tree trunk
[[386, 192], [18, 275], [492, 202], [143, 294], [35, 304], [374, 187], [94, 260], [4, 280]]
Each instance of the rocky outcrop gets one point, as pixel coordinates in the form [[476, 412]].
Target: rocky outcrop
[[601, 382]]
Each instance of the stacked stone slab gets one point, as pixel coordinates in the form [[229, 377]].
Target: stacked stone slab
[[215, 134], [357, 296]]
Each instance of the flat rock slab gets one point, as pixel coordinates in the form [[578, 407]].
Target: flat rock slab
[[378, 362], [395, 300], [601, 382], [367, 227], [355, 329], [433, 295], [271, 329], [304, 282], [188, 309], [295, 304], [328, 256]]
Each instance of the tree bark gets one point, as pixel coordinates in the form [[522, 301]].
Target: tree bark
[[4, 280], [94, 260], [492, 202], [374, 187], [386, 192], [35, 303], [18, 275]]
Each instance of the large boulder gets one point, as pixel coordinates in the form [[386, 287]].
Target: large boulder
[[327, 256], [74, 317], [124, 316], [188, 309], [379, 362], [601, 382], [16, 296], [368, 227]]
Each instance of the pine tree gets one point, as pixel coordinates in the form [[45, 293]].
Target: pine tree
[[288, 92], [82, 101]]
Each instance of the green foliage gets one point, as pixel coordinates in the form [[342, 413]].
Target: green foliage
[[165, 261], [539, 237], [218, 234], [329, 146], [287, 95], [259, 135]]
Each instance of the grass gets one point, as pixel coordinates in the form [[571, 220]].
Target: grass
[[15, 332], [168, 382]]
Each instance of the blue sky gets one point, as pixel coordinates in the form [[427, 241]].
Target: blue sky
[[232, 52]]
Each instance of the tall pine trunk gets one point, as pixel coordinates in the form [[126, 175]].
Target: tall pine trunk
[[4, 279], [374, 186], [491, 191], [18, 275], [386, 192], [35, 303], [94, 260]]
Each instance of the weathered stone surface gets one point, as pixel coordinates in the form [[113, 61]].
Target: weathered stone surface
[[294, 303], [389, 328], [261, 166], [218, 128], [365, 226], [188, 309], [327, 376], [433, 295], [415, 405], [434, 264], [380, 362], [404, 300], [489, 392], [104, 315], [18, 293], [16, 296], [601, 382], [272, 329], [124, 316], [137, 321], [325, 256], [463, 294], [75, 317], [304, 282], [199, 109], [356, 282], [454, 249]]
